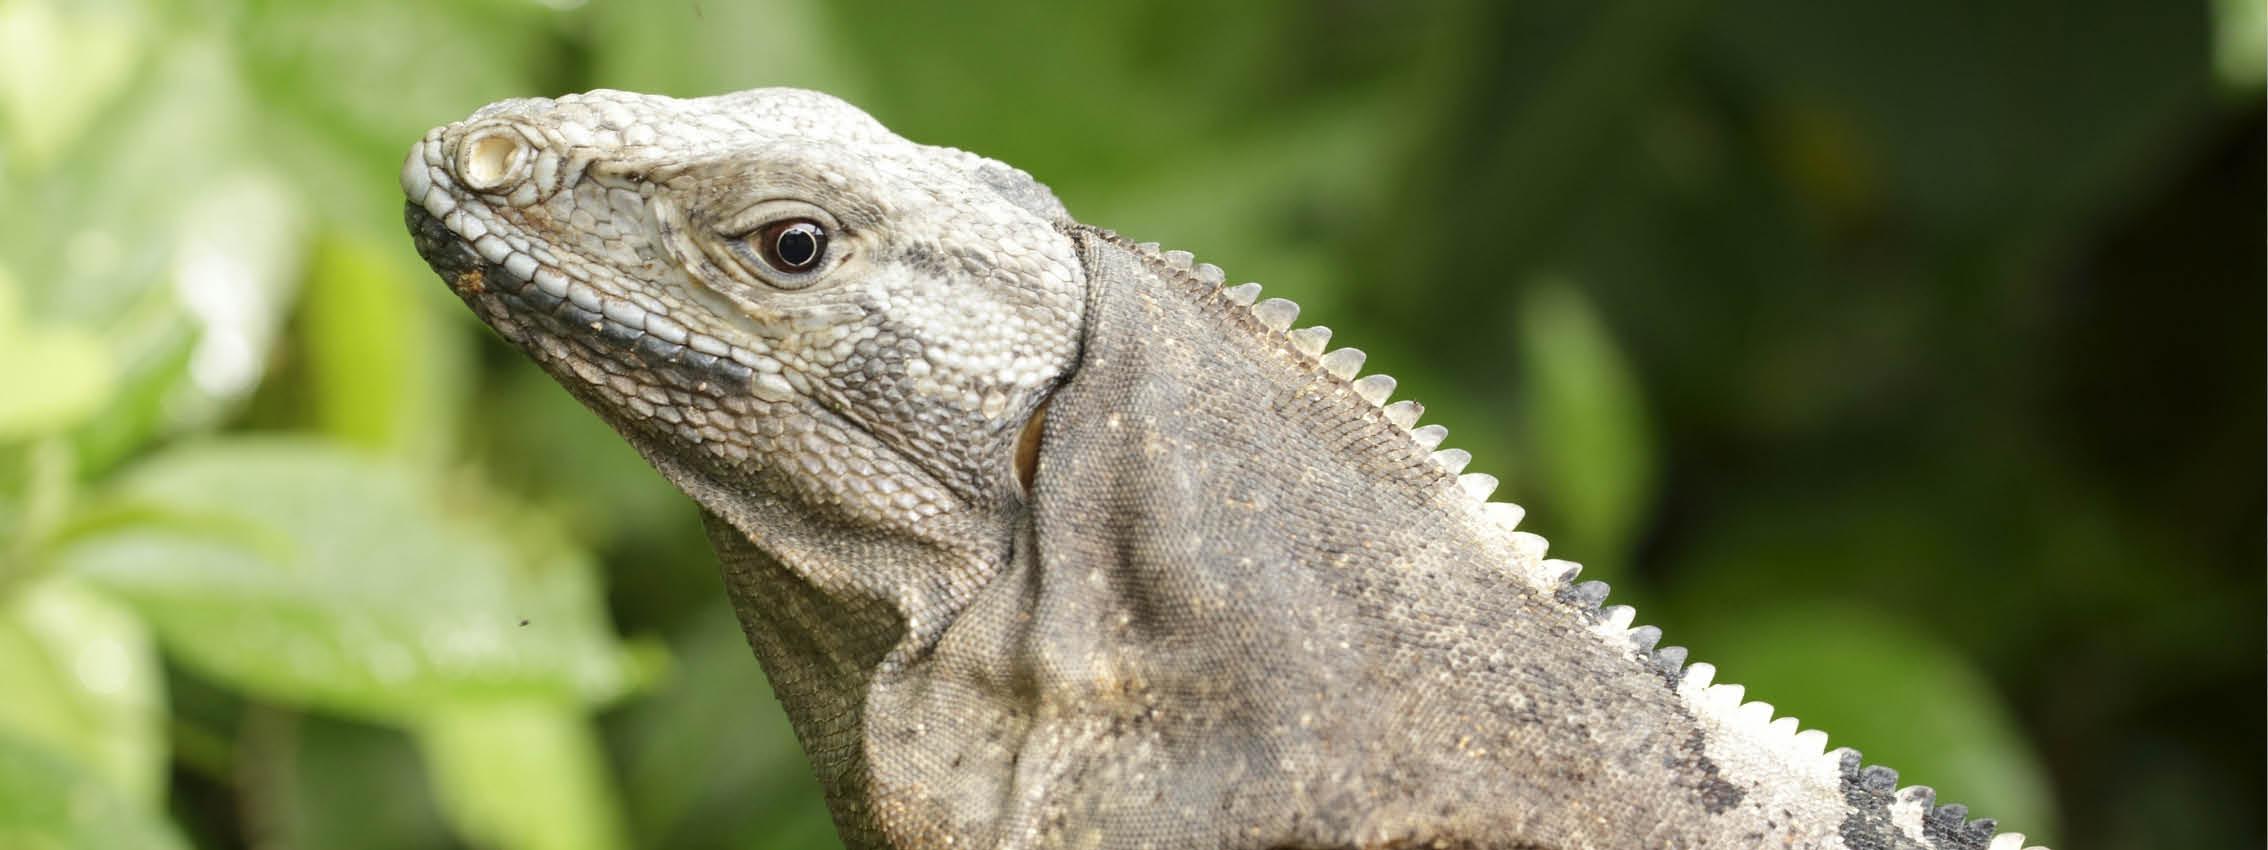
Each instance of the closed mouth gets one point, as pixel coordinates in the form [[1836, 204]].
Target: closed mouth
[[506, 299], [448, 254]]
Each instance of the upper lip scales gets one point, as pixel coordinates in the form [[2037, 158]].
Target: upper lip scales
[[444, 250], [470, 274], [455, 260]]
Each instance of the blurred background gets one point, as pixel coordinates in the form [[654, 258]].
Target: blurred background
[[1902, 358]]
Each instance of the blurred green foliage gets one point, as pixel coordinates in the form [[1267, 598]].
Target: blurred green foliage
[[1905, 355]]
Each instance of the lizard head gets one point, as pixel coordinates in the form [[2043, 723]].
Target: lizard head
[[768, 286]]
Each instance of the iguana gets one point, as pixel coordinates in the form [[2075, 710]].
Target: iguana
[[1047, 538]]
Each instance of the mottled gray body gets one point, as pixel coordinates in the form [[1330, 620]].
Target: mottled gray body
[[1237, 600]]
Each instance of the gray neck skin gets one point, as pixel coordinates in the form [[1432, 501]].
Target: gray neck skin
[[840, 611], [836, 613], [1271, 622]]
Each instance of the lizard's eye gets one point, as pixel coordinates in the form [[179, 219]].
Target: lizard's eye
[[793, 246], [782, 244], [788, 253]]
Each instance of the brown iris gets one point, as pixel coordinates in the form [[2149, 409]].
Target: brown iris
[[791, 245]]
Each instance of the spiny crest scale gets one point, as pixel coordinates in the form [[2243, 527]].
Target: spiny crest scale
[[1751, 722]]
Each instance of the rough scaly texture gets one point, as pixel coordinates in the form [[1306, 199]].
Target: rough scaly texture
[[1050, 539]]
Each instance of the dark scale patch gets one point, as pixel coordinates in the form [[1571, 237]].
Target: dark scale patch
[[1585, 596], [1643, 638], [1441, 842], [1716, 793], [1869, 793], [620, 335], [735, 371], [659, 352], [578, 317], [1020, 189], [692, 374], [448, 255], [1669, 661], [924, 257], [1949, 827], [539, 300]]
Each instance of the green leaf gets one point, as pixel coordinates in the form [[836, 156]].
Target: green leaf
[[311, 576], [710, 761], [381, 372], [1070, 88], [1835, 666], [695, 49], [1269, 204], [83, 679], [57, 377], [320, 61], [49, 803], [181, 257], [2240, 29], [51, 377], [1591, 443], [524, 775], [60, 64], [1929, 86], [609, 497], [317, 781]]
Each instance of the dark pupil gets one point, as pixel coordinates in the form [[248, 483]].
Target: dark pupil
[[798, 246]]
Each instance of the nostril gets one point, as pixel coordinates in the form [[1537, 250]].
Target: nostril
[[491, 160]]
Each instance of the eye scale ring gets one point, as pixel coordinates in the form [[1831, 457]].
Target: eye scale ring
[[491, 160]]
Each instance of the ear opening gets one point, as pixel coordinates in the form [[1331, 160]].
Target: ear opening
[[1028, 447]]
